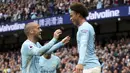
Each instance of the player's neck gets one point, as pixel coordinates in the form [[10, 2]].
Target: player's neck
[[47, 56], [32, 39], [81, 21]]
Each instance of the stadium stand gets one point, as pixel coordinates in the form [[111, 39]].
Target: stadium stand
[[19, 10], [114, 57]]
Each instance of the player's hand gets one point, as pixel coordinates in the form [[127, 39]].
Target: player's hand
[[66, 40], [57, 33], [79, 68]]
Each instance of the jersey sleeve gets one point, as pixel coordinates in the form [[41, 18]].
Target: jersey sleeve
[[54, 47], [33, 50], [59, 62], [84, 37]]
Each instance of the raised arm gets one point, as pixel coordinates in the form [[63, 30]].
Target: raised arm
[[33, 50], [58, 45]]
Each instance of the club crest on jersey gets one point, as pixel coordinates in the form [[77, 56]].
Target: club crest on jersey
[[54, 64]]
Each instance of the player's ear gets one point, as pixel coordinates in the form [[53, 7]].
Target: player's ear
[[31, 31], [78, 14]]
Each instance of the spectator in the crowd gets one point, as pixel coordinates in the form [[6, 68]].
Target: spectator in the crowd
[[115, 2], [106, 3], [99, 4], [127, 2]]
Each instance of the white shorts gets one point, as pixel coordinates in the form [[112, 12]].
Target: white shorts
[[92, 70]]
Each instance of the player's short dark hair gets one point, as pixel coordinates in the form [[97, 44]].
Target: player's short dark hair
[[79, 8], [26, 30]]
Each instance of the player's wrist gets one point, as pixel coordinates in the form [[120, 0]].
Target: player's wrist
[[61, 43], [54, 39]]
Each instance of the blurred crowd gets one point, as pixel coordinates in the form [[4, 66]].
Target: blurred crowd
[[10, 62], [20, 10], [114, 57]]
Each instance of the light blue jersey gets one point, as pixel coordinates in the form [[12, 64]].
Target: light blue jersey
[[86, 46], [49, 65], [31, 52]]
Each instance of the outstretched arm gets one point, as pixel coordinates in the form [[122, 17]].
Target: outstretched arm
[[33, 50], [58, 45]]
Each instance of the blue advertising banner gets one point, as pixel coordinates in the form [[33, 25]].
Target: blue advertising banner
[[109, 13], [65, 19]]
